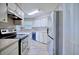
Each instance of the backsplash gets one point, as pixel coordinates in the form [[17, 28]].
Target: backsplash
[[9, 24]]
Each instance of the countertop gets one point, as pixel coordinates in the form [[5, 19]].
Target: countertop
[[21, 36], [4, 43]]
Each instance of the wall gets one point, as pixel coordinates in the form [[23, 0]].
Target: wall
[[40, 27], [61, 32], [71, 29], [40, 21], [8, 24], [67, 29], [75, 26]]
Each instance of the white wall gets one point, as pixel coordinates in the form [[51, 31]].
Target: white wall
[[40, 22], [75, 28], [71, 29], [8, 24], [67, 44], [40, 27]]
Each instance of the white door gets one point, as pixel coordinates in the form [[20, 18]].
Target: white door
[[51, 33]]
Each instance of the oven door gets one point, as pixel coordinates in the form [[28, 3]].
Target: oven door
[[8, 36]]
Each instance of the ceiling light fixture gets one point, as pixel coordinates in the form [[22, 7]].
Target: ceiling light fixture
[[33, 12]]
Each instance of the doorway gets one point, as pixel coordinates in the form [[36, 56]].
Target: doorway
[[59, 32]]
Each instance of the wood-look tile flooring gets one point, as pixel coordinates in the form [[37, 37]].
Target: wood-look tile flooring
[[38, 48]]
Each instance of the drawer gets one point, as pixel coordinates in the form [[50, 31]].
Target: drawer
[[10, 49]]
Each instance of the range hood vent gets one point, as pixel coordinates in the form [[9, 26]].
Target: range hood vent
[[13, 16]]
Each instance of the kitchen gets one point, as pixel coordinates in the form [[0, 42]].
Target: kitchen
[[11, 41], [20, 30], [39, 29]]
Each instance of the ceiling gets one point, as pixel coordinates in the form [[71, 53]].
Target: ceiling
[[43, 7]]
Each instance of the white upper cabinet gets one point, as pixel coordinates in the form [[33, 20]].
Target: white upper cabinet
[[3, 12], [20, 13], [12, 7]]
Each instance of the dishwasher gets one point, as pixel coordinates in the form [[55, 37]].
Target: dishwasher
[[23, 45]]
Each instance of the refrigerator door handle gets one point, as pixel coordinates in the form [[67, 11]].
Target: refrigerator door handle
[[51, 37]]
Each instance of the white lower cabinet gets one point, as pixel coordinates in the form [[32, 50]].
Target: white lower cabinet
[[25, 45]]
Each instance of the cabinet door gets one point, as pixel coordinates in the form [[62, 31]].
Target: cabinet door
[[20, 13], [3, 12], [16, 10], [12, 6]]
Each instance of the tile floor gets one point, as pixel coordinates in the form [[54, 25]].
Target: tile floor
[[38, 48]]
